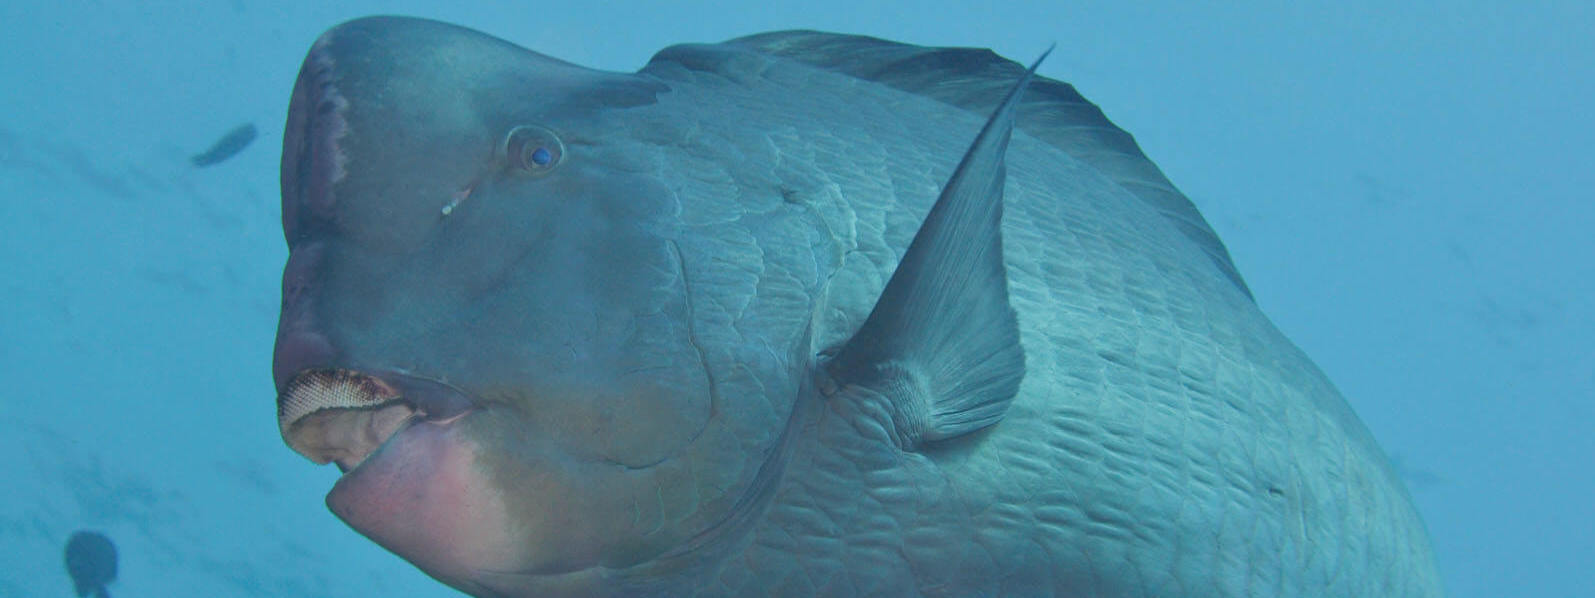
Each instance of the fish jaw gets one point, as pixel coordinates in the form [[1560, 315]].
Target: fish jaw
[[431, 475], [410, 479], [421, 496], [410, 482]]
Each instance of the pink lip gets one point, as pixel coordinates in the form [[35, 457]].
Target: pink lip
[[412, 454], [422, 497]]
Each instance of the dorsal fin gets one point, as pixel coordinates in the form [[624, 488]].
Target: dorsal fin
[[942, 342], [974, 79]]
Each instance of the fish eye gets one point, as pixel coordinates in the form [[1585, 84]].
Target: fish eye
[[533, 149]]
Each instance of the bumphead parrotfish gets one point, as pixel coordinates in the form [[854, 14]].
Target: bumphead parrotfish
[[91, 563], [794, 314]]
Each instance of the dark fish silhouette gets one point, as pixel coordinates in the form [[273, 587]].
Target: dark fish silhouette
[[91, 561], [228, 146]]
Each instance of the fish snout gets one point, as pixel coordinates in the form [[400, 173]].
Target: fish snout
[[330, 408], [300, 345], [341, 415]]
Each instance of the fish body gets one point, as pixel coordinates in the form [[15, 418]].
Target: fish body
[[227, 146], [91, 563], [796, 314]]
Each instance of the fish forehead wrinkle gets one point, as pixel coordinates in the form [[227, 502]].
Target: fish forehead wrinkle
[[638, 336]]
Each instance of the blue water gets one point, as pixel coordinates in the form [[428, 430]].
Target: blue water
[[1406, 189]]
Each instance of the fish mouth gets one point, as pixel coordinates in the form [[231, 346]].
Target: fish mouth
[[342, 416]]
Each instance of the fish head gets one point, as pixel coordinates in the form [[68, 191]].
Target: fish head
[[486, 319]]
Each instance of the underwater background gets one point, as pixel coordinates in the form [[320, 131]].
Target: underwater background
[[1407, 188]]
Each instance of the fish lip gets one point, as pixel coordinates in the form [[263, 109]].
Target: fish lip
[[344, 415]]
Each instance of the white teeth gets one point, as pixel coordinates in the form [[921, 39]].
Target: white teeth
[[339, 415], [315, 390], [319, 389]]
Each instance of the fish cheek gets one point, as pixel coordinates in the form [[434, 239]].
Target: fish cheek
[[618, 373], [567, 512], [659, 400]]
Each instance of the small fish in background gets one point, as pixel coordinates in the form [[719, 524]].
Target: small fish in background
[[91, 561], [228, 146]]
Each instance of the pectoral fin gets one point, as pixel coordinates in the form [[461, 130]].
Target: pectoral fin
[[942, 343]]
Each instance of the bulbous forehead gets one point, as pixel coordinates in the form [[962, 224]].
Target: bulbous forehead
[[495, 251]]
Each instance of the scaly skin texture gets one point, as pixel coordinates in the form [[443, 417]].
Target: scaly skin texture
[[640, 335], [1166, 441]]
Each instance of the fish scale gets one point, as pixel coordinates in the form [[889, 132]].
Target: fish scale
[[1113, 243]]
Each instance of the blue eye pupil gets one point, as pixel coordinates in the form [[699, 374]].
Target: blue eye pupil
[[532, 150]]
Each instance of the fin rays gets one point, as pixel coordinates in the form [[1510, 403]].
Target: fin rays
[[942, 342]]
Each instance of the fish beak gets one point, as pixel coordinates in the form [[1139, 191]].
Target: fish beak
[[340, 416], [343, 416]]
